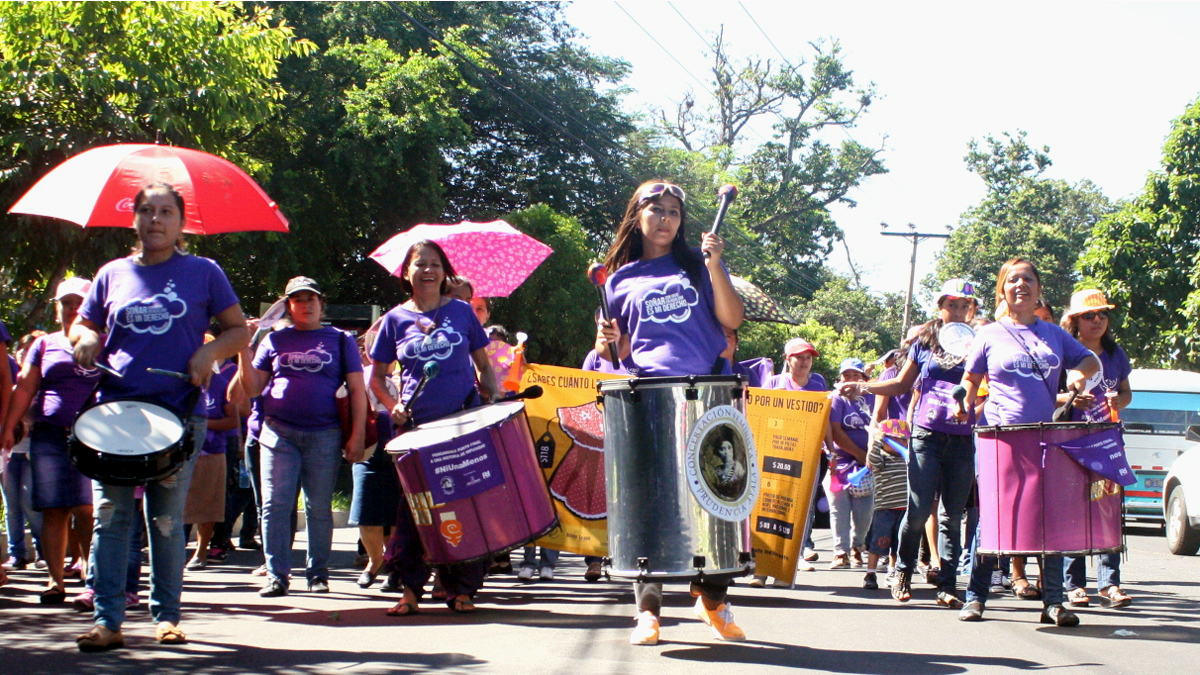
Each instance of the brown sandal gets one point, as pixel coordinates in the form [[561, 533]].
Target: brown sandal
[[95, 640], [1114, 598], [1025, 590], [168, 633], [462, 605]]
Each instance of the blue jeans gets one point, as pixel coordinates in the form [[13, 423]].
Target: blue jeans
[[1108, 572], [1050, 573], [549, 557], [17, 482], [293, 457], [133, 575], [942, 463], [163, 505]]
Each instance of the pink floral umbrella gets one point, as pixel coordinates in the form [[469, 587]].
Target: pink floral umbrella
[[496, 256]]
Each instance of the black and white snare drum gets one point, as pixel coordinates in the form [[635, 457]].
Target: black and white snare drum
[[129, 442]]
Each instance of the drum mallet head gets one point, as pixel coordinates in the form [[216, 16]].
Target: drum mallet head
[[598, 275], [431, 369], [530, 392]]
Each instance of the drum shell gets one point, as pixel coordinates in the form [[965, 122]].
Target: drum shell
[[130, 470], [1043, 503], [497, 520], [652, 514]]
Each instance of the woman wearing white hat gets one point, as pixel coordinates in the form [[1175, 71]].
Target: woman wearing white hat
[[1087, 320]]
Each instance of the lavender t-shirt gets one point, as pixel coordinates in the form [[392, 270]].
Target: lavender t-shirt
[[156, 317], [594, 363], [214, 409], [1022, 390], [1116, 369], [454, 333], [306, 367], [936, 407], [784, 381], [671, 324], [65, 386], [897, 408], [854, 416]]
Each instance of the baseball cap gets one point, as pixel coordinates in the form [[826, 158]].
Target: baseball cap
[[297, 284], [798, 346], [73, 286], [1088, 300], [852, 364], [957, 288]]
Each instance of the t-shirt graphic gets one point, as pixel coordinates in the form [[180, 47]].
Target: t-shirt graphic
[[436, 345], [311, 360], [672, 303], [154, 314]]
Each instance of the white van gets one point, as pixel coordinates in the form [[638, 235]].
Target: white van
[[1165, 403]]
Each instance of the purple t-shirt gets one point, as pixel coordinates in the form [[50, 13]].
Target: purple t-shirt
[[1115, 369], [65, 386], [4, 336], [936, 406], [854, 416], [1021, 389], [671, 324], [784, 381], [214, 409], [156, 317], [454, 333], [594, 363], [897, 405], [306, 367], [254, 419]]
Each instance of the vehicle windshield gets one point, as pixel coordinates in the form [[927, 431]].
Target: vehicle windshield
[[1162, 413]]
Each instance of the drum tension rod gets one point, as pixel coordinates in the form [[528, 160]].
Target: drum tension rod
[[643, 564], [699, 562]]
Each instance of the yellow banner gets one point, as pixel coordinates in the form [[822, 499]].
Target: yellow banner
[[788, 428]]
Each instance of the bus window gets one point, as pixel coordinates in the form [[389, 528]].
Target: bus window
[[1161, 413]]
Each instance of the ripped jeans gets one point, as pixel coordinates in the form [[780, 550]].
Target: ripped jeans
[[114, 513]]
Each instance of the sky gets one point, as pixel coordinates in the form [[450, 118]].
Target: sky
[[1097, 82]]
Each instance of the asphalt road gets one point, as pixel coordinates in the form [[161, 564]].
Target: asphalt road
[[826, 624]]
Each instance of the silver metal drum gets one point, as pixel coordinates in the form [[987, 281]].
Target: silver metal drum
[[682, 478]]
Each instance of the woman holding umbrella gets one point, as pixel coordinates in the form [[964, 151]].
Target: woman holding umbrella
[[650, 258], [155, 306], [430, 327]]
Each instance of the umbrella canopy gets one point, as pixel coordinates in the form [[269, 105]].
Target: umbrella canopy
[[495, 256], [96, 189], [759, 305]]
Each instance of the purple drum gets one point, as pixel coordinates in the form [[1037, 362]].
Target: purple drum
[[1034, 499], [473, 483]]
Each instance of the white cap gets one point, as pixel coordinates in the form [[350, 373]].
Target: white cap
[[73, 286]]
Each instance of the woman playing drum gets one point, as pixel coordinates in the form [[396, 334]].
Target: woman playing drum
[[430, 327], [1023, 358], [56, 388], [155, 305], [298, 371], [943, 451], [1087, 320], [669, 306]]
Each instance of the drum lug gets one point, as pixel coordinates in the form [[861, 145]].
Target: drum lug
[[699, 562], [744, 557], [643, 564], [737, 393], [691, 394]]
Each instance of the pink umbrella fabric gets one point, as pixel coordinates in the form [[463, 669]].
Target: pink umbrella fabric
[[496, 256], [96, 189]]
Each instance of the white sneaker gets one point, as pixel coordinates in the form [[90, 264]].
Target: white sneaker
[[805, 566], [646, 632], [526, 573], [546, 573], [997, 581]]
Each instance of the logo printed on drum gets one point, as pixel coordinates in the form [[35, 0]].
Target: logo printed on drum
[[451, 528], [153, 315], [672, 304], [312, 360]]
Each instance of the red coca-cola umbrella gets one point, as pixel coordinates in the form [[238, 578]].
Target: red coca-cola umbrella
[[96, 189]]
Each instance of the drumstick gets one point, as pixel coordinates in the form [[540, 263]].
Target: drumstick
[[169, 373], [725, 197], [598, 274], [1065, 411], [105, 369], [429, 372]]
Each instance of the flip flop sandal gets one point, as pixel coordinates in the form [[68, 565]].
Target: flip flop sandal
[[1025, 590], [53, 596], [403, 609], [166, 634], [1078, 597], [462, 606], [93, 641], [1114, 598]]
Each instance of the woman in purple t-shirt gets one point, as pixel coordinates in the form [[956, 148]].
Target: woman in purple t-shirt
[[1087, 320], [1023, 358], [56, 388], [669, 306]]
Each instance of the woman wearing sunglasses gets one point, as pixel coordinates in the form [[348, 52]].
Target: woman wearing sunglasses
[[670, 306], [1087, 320]]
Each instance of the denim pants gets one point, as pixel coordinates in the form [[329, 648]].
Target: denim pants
[[1050, 572], [1108, 571], [114, 516], [850, 519], [945, 464], [133, 575], [17, 483], [549, 557], [294, 457]]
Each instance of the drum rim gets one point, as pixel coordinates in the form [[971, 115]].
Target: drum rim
[[413, 434], [183, 425], [631, 383], [1045, 426]]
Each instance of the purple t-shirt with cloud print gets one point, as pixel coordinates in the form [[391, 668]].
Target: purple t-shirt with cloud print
[[65, 386], [156, 317], [671, 324], [306, 367], [1023, 365], [854, 416], [453, 334], [1114, 368]]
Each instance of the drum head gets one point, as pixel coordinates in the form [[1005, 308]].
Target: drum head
[[1097, 379], [128, 428], [456, 425], [955, 339]]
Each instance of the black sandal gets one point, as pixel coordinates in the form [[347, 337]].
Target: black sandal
[[53, 596]]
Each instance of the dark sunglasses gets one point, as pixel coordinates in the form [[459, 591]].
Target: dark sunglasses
[[655, 189], [1092, 316]]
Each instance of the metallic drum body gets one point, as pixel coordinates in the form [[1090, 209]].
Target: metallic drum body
[[657, 530]]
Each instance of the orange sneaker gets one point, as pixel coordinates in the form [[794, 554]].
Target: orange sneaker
[[720, 620], [646, 632]]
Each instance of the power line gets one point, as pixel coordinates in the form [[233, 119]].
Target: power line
[[764, 33], [660, 45]]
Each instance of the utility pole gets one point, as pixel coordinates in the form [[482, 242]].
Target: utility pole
[[916, 238]]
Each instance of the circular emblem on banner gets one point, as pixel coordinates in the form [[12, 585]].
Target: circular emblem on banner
[[720, 464]]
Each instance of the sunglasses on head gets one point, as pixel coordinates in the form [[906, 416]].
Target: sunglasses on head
[[655, 189], [1092, 316]]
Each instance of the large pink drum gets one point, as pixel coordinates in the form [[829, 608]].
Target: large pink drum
[[1034, 499], [473, 483]]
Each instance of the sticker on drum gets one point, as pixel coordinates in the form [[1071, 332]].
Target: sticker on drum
[[721, 465], [955, 339], [128, 428]]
